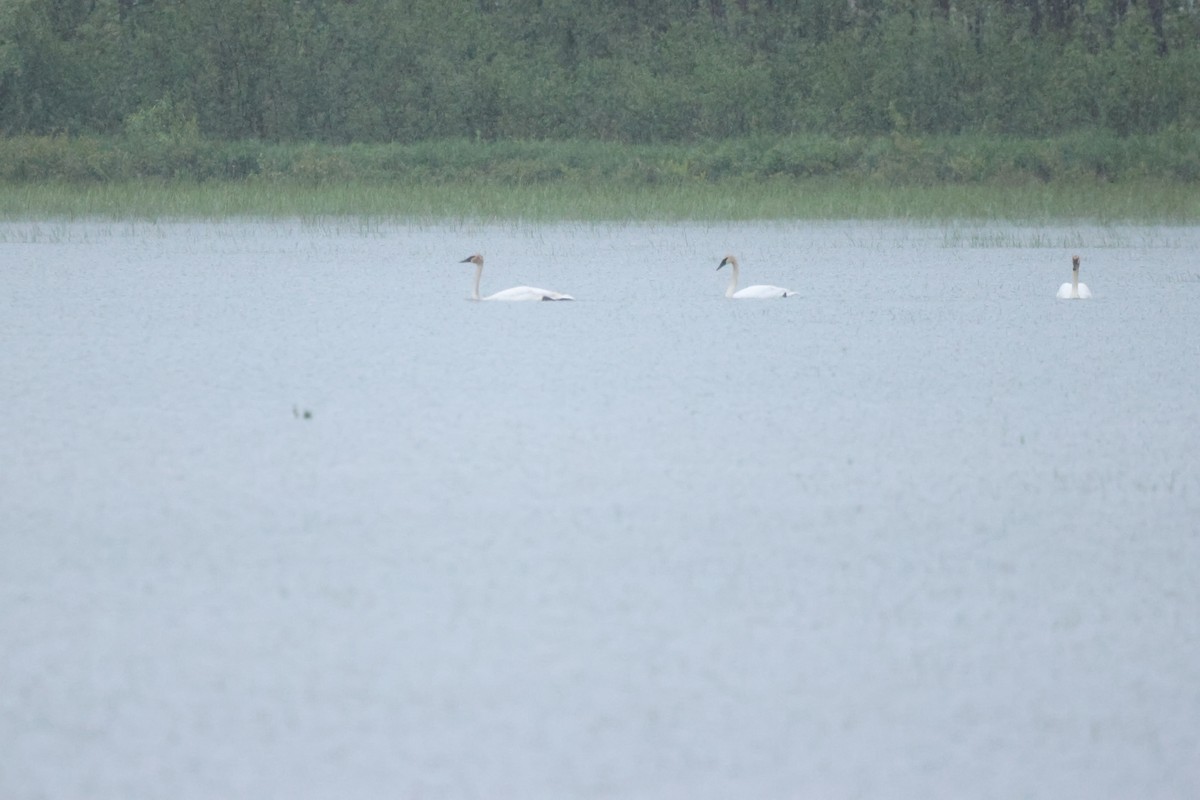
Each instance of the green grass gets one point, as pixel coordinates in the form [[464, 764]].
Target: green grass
[[730, 199], [1088, 175]]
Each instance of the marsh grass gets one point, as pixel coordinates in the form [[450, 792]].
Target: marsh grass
[[730, 199], [1093, 176]]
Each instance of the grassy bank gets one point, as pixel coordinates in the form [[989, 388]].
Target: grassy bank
[[1097, 177], [1143, 201]]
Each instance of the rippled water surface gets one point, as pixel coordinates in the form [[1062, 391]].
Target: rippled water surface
[[282, 515]]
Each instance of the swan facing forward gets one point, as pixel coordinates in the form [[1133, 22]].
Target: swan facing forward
[[1074, 290], [515, 293], [759, 292]]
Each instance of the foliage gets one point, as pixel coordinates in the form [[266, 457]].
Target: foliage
[[373, 71], [735, 199], [161, 143]]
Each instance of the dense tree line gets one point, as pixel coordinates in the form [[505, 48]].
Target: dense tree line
[[620, 70]]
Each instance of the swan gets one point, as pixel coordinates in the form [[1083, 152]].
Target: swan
[[515, 293], [750, 292], [1074, 290]]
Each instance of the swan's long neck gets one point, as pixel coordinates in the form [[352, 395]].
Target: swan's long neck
[[478, 276], [733, 278], [1075, 281]]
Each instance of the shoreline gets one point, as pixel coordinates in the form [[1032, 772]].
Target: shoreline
[[731, 200]]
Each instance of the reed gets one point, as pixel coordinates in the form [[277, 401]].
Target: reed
[[731, 199], [896, 159], [1085, 175]]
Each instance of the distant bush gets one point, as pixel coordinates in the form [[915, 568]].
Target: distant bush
[[895, 159]]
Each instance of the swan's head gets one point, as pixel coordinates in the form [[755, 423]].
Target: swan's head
[[727, 260], [1075, 263], [476, 259]]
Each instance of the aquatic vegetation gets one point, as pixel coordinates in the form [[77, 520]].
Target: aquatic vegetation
[[1099, 177], [1143, 200], [897, 160]]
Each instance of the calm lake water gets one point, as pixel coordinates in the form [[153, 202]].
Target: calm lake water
[[920, 531]]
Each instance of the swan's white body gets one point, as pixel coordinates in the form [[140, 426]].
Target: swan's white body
[[517, 293], [1074, 290], [759, 292]]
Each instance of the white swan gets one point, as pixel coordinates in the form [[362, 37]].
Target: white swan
[[1074, 290], [515, 293], [760, 292]]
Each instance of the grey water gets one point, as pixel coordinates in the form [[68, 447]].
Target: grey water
[[283, 515]]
